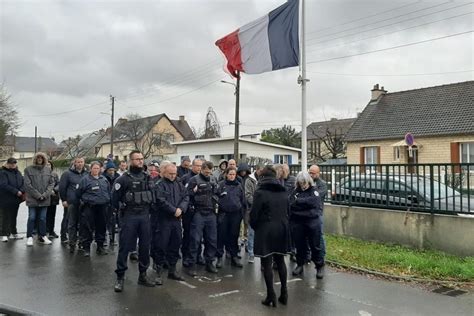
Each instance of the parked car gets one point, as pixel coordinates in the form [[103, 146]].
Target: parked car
[[409, 191]]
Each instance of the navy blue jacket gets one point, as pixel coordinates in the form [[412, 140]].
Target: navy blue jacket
[[125, 184], [182, 171], [69, 183], [170, 195], [305, 204], [205, 198], [109, 178], [11, 181], [185, 179], [93, 191], [231, 196]]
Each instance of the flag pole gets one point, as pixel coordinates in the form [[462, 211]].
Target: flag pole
[[302, 80]]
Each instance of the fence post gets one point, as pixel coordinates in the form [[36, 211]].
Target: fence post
[[350, 186], [431, 189]]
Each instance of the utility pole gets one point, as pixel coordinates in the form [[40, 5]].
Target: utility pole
[[237, 122], [36, 139], [112, 99]]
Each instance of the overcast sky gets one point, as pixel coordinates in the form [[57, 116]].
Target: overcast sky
[[159, 57]]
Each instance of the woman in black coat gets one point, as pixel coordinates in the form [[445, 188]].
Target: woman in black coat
[[305, 221], [269, 219]]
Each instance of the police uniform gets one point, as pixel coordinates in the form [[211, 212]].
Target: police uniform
[[132, 195], [94, 196], [204, 223], [170, 195], [187, 218]]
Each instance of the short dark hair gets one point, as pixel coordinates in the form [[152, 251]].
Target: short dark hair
[[185, 159], [123, 161], [268, 171], [133, 152], [207, 165]]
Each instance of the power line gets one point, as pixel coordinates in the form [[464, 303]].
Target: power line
[[372, 23], [391, 75], [363, 18], [66, 112], [384, 26], [389, 48], [392, 32]]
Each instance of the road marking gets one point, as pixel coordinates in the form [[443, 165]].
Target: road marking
[[289, 281], [205, 279], [228, 276], [364, 313], [223, 294], [357, 301], [187, 284]]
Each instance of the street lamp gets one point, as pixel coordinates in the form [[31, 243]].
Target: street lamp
[[237, 123]]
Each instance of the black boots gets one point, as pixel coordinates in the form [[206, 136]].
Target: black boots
[[191, 271], [283, 296], [219, 263], [173, 275], [101, 251], [211, 268], [158, 280], [118, 285], [270, 300], [298, 270], [145, 281], [235, 262], [319, 271]]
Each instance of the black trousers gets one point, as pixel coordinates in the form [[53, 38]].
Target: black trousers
[[168, 236], [134, 226], [50, 218], [228, 230], [306, 232], [64, 225], [93, 218]]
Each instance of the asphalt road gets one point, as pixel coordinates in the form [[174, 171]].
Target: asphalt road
[[49, 280]]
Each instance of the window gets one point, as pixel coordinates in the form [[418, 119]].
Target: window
[[396, 153], [199, 156], [283, 159], [315, 148], [467, 152], [22, 155], [370, 155]]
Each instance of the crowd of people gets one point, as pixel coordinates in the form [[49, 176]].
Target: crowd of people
[[163, 213]]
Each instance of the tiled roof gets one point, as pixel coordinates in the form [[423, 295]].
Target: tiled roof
[[27, 144], [434, 111], [318, 130], [183, 127]]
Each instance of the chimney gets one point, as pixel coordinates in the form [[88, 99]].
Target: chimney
[[377, 92], [181, 118]]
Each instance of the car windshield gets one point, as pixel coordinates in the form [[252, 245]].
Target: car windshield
[[422, 186]]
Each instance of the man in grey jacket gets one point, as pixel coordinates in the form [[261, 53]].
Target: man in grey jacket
[[250, 187], [39, 184], [68, 185]]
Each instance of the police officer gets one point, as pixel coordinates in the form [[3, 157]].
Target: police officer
[[94, 196], [188, 216], [183, 169], [67, 191], [132, 195], [171, 202], [202, 196]]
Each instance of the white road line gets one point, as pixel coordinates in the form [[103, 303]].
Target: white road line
[[223, 294], [187, 284], [289, 281], [364, 313]]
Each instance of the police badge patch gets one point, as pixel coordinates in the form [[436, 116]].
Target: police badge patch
[[117, 186]]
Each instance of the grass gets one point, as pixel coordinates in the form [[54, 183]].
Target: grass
[[399, 260]]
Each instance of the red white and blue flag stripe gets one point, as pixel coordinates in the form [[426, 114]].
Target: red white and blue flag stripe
[[266, 44]]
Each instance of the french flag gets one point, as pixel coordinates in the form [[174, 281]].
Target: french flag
[[267, 44]]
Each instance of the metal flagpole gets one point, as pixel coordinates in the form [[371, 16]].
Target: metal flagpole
[[302, 80]]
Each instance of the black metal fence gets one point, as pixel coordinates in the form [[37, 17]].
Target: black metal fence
[[432, 188]]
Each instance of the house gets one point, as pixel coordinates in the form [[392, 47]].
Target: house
[[87, 145], [326, 139], [152, 135], [250, 150], [440, 120], [24, 147]]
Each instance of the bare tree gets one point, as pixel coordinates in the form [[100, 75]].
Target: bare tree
[[140, 133], [8, 115], [330, 144], [253, 161], [72, 147]]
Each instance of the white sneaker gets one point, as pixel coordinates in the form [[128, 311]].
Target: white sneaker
[[4, 238], [16, 236], [44, 240], [29, 241]]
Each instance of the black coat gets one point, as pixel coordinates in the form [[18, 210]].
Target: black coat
[[305, 204], [269, 218], [11, 181]]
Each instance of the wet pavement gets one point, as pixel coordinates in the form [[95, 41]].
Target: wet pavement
[[49, 280]]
